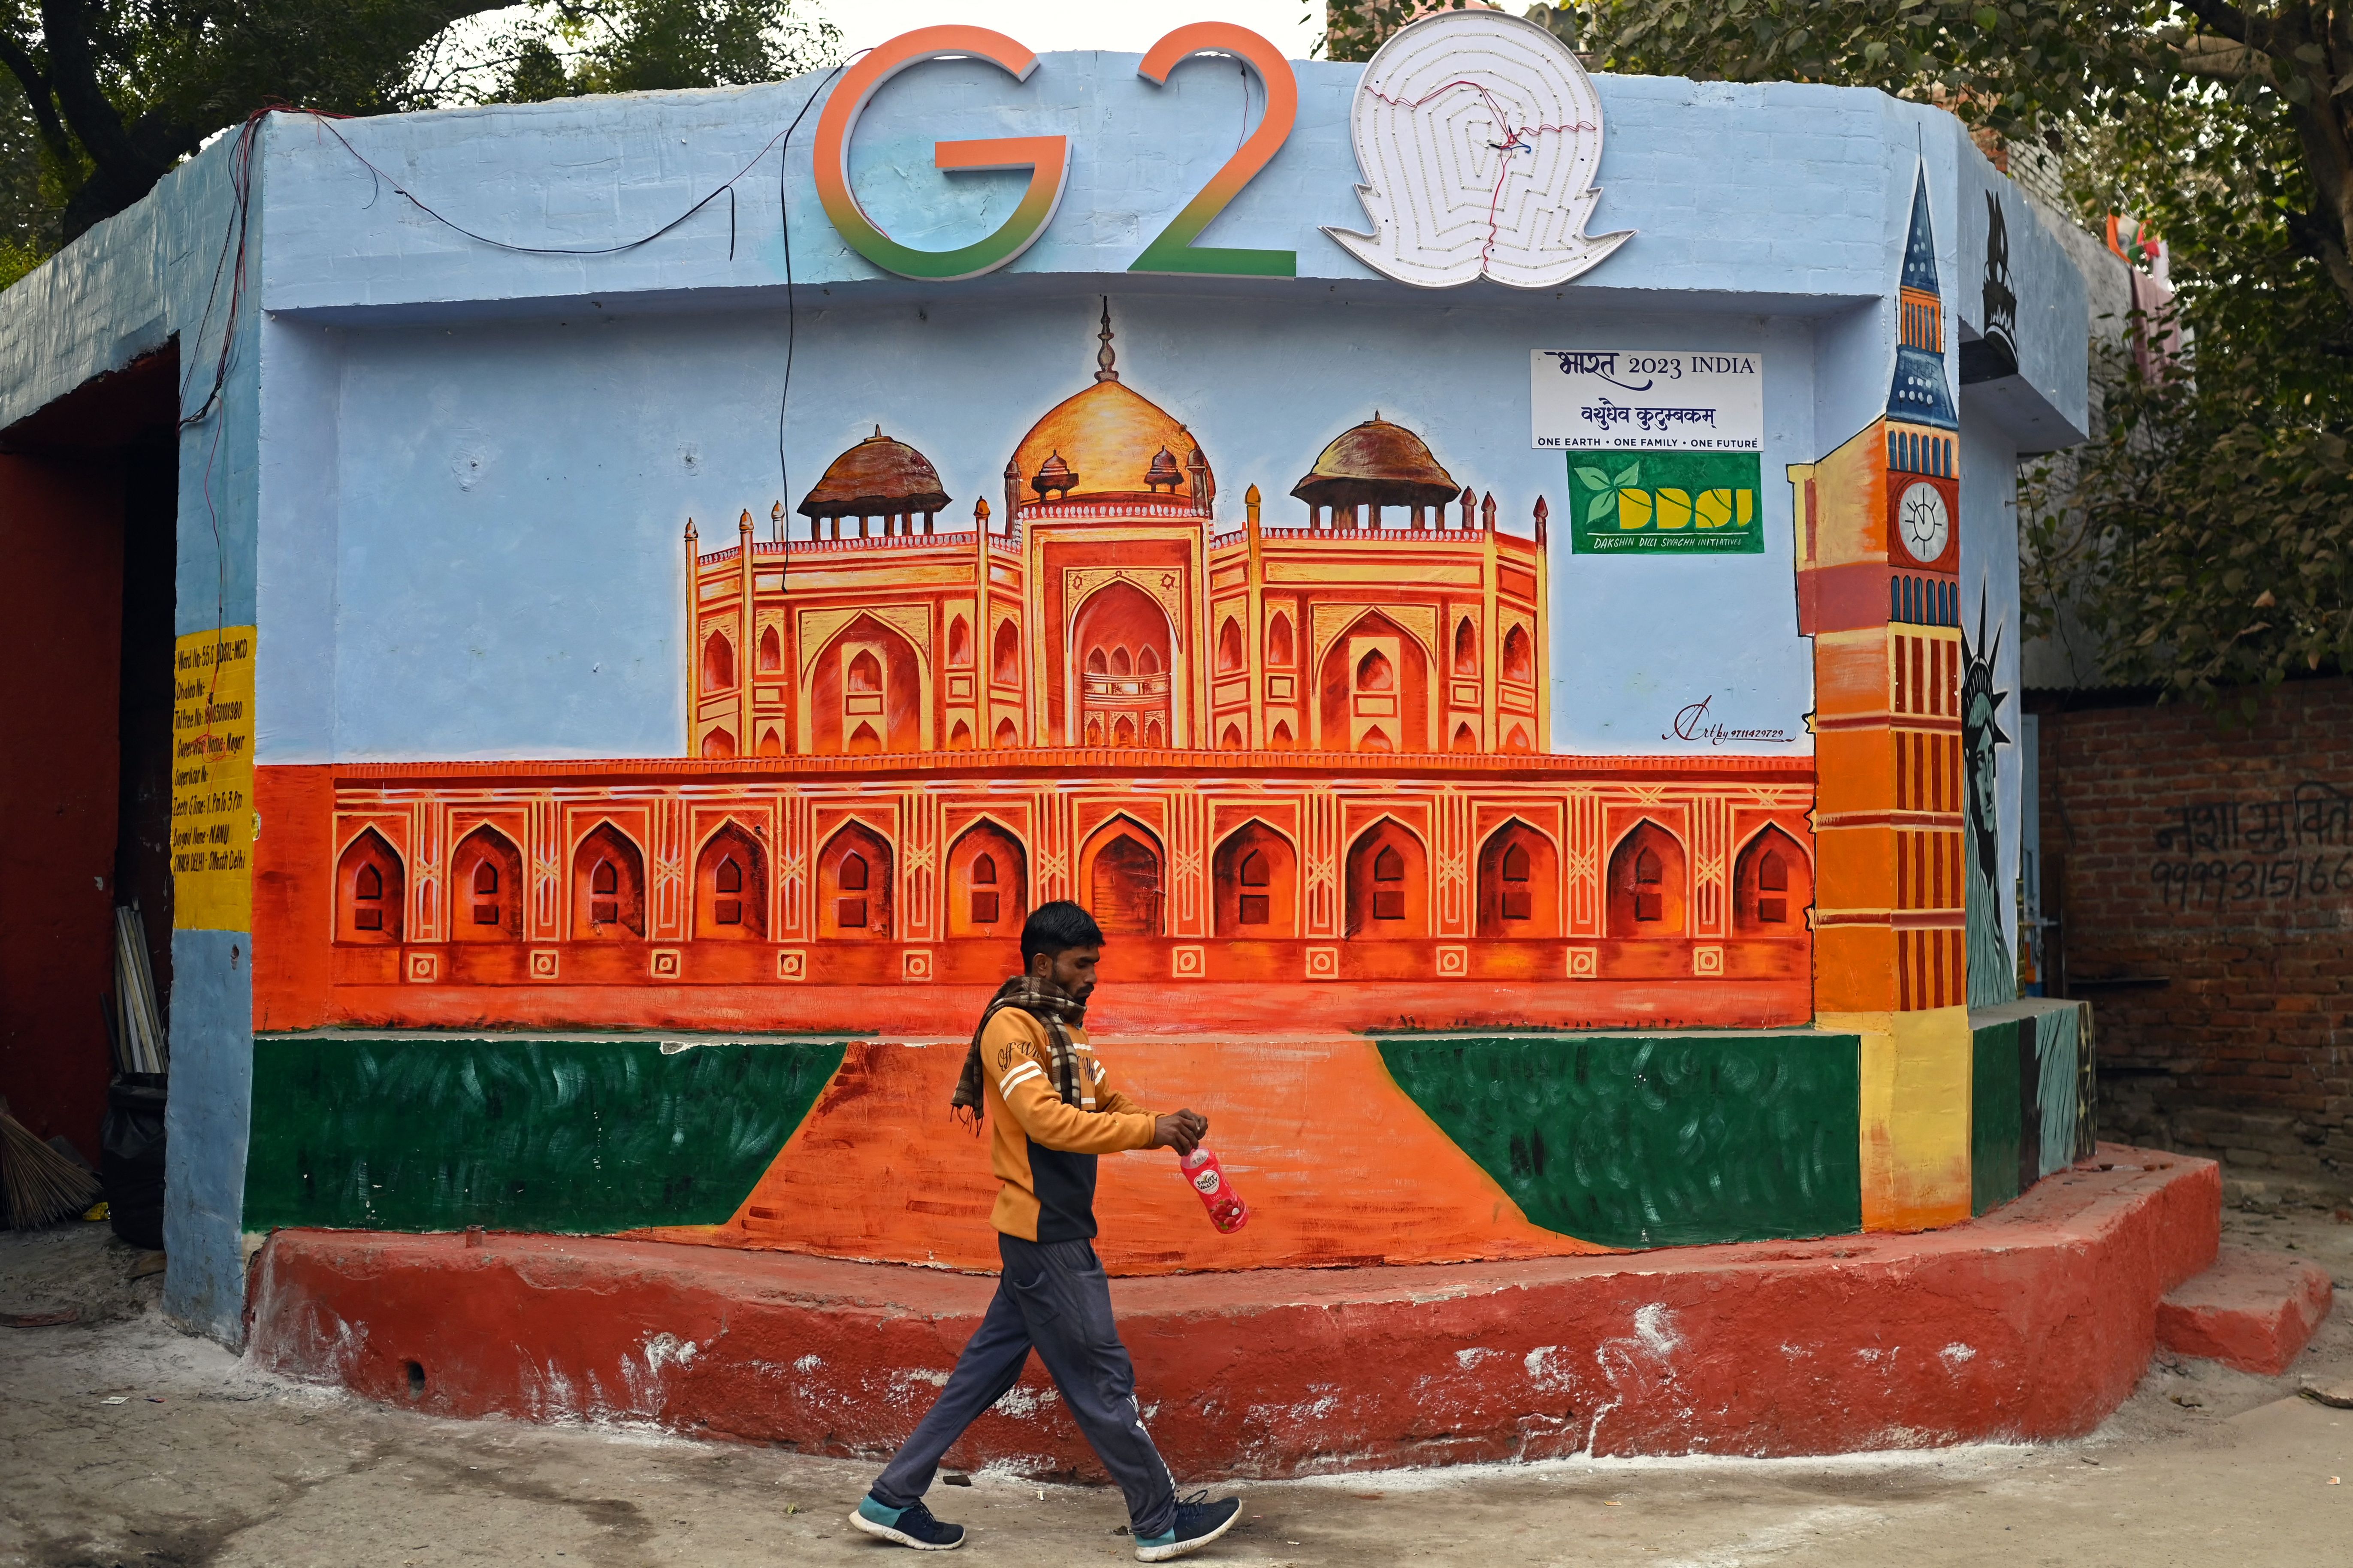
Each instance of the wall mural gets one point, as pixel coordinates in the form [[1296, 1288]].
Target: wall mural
[[1296, 752], [1307, 745], [1993, 977]]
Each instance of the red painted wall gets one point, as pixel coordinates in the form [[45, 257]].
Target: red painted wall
[[2185, 858], [61, 540]]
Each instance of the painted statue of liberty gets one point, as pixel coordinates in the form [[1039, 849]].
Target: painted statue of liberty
[[1993, 977]]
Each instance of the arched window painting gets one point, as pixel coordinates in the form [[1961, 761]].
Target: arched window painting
[[772, 652], [1278, 650], [1772, 884], [369, 885], [731, 887], [1005, 664], [1647, 878], [718, 662], [1122, 881], [1123, 645], [1519, 656], [1518, 883], [988, 893], [854, 883], [869, 692], [1375, 689], [1229, 648], [1386, 874], [486, 883], [959, 644], [608, 880], [1466, 648], [1255, 874]]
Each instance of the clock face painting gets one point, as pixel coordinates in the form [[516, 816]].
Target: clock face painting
[[1925, 522]]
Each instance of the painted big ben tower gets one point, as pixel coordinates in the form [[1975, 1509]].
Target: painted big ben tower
[[1879, 591]]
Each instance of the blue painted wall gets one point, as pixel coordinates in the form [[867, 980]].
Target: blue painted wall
[[448, 480]]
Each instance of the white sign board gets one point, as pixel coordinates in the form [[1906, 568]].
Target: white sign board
[[1639, 400]]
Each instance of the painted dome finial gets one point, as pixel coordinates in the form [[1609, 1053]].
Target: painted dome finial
[[1104, 358]]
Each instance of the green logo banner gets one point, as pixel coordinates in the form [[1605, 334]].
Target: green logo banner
[[1667, 500]]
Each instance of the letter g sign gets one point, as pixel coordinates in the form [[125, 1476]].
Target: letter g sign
[[1048, 158]]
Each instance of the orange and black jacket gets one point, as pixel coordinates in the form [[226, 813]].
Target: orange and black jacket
[[1043, 1150]]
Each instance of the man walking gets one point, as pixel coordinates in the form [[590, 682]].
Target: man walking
[[1031, 1073]]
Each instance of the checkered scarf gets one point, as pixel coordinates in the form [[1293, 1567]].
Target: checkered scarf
[[1052, 1007]]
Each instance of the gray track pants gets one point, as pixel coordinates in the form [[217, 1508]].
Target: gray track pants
[[1052, 1299]]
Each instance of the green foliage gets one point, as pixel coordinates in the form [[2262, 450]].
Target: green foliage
[[105, 96], [1353, 29], [2203, 537], [573, 46], [2206, 537], [2006, 66]]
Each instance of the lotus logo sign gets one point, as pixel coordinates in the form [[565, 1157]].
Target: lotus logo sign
[[1478, 136]]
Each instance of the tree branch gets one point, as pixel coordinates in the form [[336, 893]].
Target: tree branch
[[2216, 58], [2231, 21], [28, 72], [73, 75]]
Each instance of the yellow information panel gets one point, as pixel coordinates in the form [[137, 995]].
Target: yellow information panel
[[211, 780]]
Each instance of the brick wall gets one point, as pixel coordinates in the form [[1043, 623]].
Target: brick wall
[[2205, 882]]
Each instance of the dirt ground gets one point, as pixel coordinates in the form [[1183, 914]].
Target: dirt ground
[[124, 1444]]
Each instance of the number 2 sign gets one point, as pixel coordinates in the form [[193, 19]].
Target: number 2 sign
[[1048, 158]]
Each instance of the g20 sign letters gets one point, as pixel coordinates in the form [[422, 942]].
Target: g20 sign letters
[[1048, 158], [1478, 136]]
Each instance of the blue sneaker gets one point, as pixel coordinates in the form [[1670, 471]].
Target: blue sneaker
[[1198, 1522], [910, 1526]]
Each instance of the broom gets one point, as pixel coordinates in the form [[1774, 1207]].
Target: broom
[[41, 1186]]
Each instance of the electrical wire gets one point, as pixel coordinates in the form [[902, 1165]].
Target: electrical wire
[[792, 309], [214, 407], [234, 236]]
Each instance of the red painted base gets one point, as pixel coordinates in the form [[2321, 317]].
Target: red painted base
[[2031, 1322], [2253, 1310]]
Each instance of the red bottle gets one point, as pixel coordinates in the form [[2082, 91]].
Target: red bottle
[[1227, 1210]]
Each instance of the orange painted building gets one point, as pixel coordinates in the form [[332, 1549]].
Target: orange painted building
[[1279, 755]]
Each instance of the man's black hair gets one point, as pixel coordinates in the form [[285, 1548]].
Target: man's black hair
[[1057, 928]]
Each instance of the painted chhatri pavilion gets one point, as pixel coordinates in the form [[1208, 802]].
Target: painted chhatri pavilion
[[1258, 752]]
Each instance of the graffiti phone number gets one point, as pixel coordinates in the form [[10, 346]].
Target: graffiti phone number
[[2216, 885]]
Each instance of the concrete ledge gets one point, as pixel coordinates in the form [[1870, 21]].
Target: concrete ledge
[[2253, 1310], [2031, 1322]]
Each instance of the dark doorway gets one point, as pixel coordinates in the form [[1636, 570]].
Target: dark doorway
[[88, 497]]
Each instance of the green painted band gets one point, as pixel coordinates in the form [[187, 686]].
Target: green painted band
[[1662, 1140], [570, 1136]]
